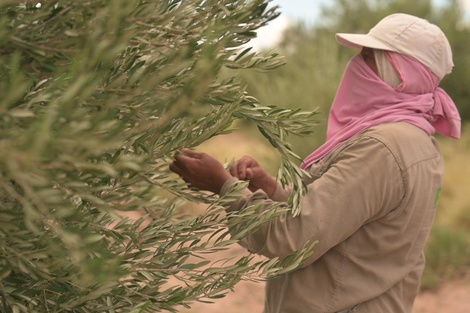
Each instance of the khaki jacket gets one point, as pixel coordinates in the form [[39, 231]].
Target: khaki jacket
[[370, 204]]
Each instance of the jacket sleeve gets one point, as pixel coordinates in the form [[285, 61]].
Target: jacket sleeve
[[362, 183]]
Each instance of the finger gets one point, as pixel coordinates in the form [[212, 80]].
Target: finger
[[176, 169], [192, 154], [249, 174], [181, 159], [249, 161], [233, 170], [241, 169]]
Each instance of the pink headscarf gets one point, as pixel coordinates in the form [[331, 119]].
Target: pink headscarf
[[363, 100]]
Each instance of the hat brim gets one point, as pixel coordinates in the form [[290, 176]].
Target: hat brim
[[358, 41]]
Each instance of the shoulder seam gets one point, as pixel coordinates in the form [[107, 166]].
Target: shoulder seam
[[401, 167]]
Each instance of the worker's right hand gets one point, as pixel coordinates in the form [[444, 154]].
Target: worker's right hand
[[248, 169], [200, 170]]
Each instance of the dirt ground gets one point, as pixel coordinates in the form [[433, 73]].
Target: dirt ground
[[452, 297]]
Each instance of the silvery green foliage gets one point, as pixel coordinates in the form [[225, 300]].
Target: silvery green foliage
[[96, 97]]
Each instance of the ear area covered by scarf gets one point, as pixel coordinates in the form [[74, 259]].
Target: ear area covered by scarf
[[363, 100]]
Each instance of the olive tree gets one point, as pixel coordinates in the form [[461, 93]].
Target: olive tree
[[96, 97]]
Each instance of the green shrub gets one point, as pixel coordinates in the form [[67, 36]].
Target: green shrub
[[447, 255]]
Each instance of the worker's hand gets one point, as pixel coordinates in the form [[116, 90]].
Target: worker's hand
[[248, 169], [200, 170]]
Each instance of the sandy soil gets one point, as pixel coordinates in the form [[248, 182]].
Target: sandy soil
[[452, 297]]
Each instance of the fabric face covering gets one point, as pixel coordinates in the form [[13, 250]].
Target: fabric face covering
[[363, 100], [386, 71]]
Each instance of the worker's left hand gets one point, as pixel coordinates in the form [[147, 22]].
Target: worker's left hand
[[200, 170]]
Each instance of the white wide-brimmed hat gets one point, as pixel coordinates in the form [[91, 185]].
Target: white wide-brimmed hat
[[409, 35]]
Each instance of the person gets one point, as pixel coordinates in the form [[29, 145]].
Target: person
[[372, 187]]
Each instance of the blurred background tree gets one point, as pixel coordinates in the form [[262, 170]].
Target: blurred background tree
[[96, 97]]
